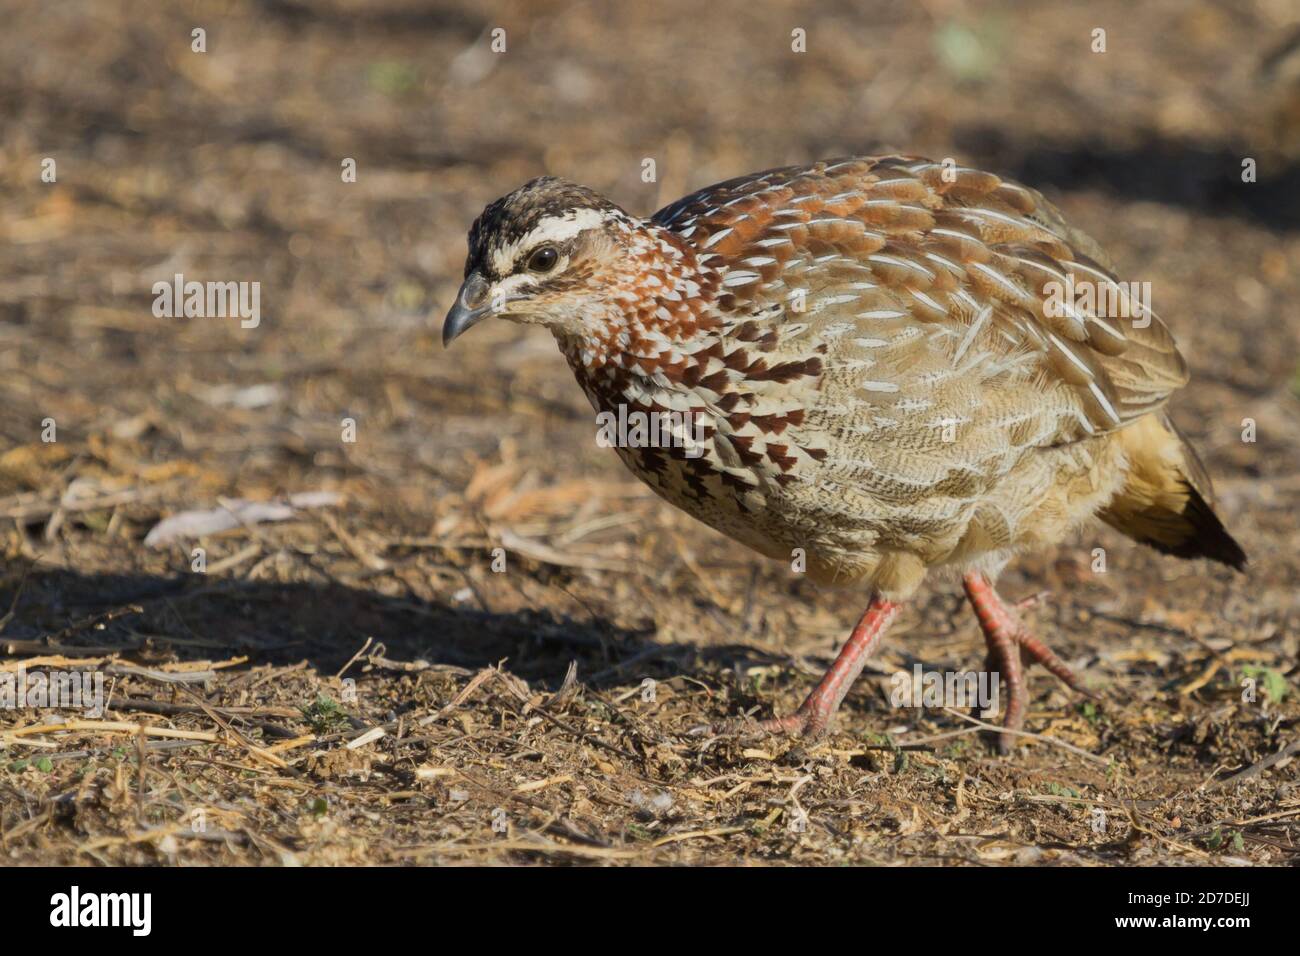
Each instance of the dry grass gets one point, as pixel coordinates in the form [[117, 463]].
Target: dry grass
[[256, 693]]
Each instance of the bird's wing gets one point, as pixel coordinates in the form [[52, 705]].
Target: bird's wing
[[988, 268]]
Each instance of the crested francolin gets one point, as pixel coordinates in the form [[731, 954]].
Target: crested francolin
[[889, 368]]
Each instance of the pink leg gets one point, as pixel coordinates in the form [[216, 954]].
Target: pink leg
[[813, 716], [1011, 644]]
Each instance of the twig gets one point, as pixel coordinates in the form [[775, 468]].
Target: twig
[[40, 510], [50, 643], [141, 755], [358, 551], [246, 553], [908, 744], [475, 682], [561, 826], [113, 726], [1133, 821], [18, 647], [1255, 769], [162, 677], [343, 670], [247, 744], [581, 735], [248, 715], [1032, 736], [696, 834]]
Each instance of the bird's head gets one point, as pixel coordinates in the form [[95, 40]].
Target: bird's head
[[557, 254], [543, 254]]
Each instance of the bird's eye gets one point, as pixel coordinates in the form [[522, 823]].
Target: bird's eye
[[543, 259]]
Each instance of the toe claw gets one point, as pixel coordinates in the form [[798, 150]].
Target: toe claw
[[1025, 604]]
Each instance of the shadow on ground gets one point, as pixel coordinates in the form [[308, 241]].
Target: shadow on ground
[[148, 617]]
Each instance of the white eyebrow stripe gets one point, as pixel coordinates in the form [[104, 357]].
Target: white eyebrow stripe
[[551, 229], [559, 228]]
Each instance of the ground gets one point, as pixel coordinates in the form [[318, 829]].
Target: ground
[[245, 682]]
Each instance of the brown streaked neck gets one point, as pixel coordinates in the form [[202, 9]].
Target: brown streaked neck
[[658, 293]]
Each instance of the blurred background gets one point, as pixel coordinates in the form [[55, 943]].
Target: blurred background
[[225, 165]]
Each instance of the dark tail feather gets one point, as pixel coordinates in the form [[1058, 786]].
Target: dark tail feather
[[1167, 495], [1208, 537]]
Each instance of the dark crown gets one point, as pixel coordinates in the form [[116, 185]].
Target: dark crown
[[516, 214]]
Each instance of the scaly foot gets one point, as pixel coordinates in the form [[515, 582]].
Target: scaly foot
[[1011, 645], [814, 715]]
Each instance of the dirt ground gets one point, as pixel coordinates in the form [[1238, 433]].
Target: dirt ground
[[544, 713]]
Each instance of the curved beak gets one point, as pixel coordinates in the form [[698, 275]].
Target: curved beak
[[472, 306]]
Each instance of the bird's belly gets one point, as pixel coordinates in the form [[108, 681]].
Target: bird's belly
[[840, 525], [798, 521]]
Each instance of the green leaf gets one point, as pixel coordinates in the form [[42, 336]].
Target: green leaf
[[1057, 790], [324, 715], [1270, 680], [392, 77]]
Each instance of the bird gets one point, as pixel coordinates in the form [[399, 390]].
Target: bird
[[892, 368]]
